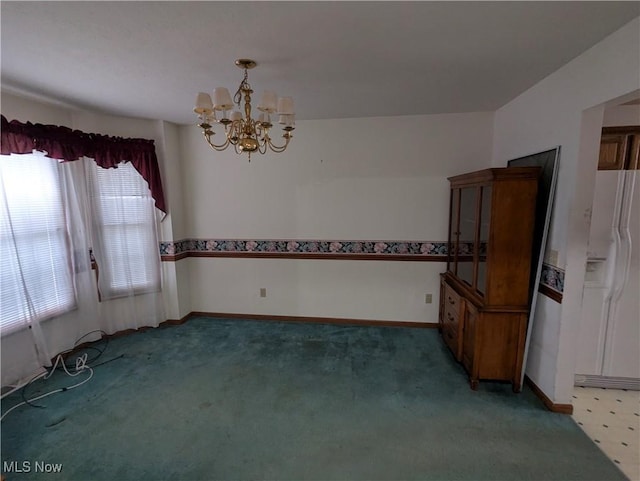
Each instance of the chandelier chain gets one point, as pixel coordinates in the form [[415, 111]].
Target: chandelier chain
[[244, 85]]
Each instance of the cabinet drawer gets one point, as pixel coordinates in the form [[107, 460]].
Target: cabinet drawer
[[452, 307], [451, 316], [450, 336], [451, 299]]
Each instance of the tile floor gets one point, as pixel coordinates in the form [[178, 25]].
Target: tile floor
[[611, 417]]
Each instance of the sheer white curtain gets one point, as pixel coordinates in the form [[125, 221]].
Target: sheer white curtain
[[51, 215], [36, 271], [125, 246]]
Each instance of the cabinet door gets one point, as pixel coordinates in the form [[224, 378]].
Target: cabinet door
[[483, 238], [613, 151], [467, 237], [469, 339], [634, 154], [454, 217]]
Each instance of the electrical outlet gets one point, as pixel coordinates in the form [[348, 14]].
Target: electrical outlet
[[263, 292], [428, 298], [552, 257]]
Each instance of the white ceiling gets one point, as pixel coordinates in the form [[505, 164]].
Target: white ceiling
[[337, 59]]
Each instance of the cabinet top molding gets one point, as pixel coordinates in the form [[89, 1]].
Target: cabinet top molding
[[627, 129], [495, 175]]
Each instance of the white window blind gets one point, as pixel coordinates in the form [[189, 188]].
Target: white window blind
[[124, 231], [36, 279]]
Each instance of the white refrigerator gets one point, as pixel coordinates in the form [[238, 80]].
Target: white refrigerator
[[609, 342]]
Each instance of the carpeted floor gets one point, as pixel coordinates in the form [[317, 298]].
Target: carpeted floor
[[231, 399]]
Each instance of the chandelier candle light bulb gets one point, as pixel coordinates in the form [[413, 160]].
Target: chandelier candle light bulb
[[243, 132]]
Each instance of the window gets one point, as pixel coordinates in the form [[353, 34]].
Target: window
[[36, 273], [36, 260], [125, 239]]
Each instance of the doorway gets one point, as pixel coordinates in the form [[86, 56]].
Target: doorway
[[609, 334]]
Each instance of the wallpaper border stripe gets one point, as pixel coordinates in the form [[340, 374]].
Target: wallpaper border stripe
[[551, 281], [305, 249]]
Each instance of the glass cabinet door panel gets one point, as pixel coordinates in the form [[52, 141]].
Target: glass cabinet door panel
[[485, 224], [466, 243], [453, 231]]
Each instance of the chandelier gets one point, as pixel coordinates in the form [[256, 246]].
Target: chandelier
[[241, 131]]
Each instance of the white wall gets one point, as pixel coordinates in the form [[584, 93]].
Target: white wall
[[175, 275], [349, 179], [19, 108], [567, 109]]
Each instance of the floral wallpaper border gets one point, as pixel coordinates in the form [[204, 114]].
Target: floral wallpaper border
[[302, 247], [552, 277]]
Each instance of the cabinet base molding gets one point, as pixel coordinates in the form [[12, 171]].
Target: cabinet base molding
[[607, 382], [549, 404]]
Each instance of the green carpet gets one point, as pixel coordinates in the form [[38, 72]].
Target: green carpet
[[234, 399]]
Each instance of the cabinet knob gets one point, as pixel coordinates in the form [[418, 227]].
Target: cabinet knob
[[449, 316], [451, 300]]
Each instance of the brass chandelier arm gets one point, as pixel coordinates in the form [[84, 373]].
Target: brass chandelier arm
[[207, 137], [279, 148]]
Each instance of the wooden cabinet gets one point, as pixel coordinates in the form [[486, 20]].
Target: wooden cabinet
[[619, 148], [484, 293]]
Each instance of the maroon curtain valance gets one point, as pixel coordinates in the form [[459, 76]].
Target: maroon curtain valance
[[66, 145]]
